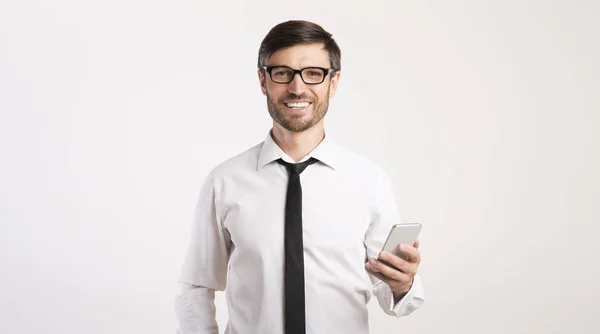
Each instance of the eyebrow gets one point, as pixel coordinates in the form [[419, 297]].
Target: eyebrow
[[277, 65]]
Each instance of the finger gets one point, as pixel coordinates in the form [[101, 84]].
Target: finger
[[403, 274], [379, 275], [395, 261], [411, 253], [416, 244], [389, 272]]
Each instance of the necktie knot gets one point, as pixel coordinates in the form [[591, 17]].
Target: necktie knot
[[297, 168]]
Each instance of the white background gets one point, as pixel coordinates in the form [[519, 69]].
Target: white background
[[485, 114]]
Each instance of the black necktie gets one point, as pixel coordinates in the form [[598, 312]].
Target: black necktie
[[295, 320]]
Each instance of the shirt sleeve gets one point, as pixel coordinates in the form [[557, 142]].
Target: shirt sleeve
[[195, 310], [385, 214], [205, 264]]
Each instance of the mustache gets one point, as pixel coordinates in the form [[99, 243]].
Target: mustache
[[294, 97]]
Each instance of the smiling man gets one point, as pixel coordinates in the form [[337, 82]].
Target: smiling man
[[292, 228]]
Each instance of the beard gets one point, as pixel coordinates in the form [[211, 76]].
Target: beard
[[295, 124]]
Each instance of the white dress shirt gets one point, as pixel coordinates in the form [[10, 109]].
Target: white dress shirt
[[237, 239]]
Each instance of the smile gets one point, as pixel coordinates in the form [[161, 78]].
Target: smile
[[297, 105]]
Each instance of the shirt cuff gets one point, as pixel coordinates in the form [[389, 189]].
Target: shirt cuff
[[411, 300]]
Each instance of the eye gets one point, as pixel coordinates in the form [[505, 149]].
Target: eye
[[313, 73], [281, 72]]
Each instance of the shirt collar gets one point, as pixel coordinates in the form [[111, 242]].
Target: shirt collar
[[270, 151]]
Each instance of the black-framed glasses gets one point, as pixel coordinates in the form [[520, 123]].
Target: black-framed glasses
[[310, 75]]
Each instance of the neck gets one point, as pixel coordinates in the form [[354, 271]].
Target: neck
[[298, 144]]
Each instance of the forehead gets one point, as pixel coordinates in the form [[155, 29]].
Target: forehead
[[302, 55]]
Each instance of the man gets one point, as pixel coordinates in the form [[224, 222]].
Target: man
[[293, 227]]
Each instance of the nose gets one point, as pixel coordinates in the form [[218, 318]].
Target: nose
[[296, 86]]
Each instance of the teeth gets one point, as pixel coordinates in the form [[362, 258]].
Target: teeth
[[298, 104]]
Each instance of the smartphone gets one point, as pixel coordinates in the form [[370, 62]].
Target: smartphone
[[406, 233]]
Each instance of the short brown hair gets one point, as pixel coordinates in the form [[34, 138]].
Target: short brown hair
[[297, 32]]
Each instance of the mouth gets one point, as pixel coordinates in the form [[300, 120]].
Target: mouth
[[297, 105], [297, 108]]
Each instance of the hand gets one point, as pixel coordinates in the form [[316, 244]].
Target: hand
[[400, 275]]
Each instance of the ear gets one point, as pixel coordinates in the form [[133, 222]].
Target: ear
[[263, 82], [333, 83]]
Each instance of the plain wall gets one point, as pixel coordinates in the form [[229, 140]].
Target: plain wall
[[484, 113]]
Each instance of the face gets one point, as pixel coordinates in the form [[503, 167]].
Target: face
[[297, 106]]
